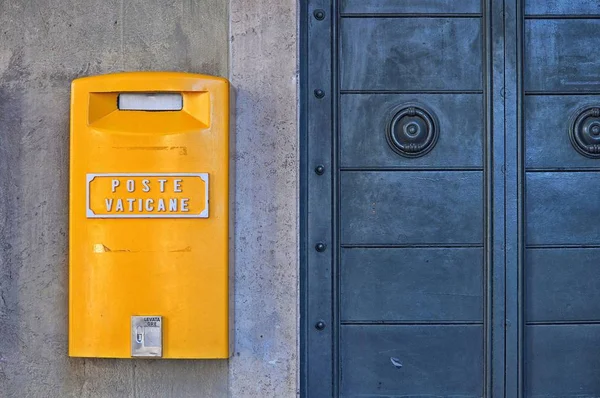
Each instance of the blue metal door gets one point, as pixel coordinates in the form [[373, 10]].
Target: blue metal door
[[450, 214]]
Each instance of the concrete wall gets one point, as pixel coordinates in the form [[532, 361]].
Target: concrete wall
[[263, 69], [43, 46], [46, 44]]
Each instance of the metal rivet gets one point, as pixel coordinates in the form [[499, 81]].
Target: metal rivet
[[320, 247], [320, 169], [319, 93], [320, 325], [319, 14]]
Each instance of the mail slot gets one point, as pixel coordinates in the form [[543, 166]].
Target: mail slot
[[150, 222]]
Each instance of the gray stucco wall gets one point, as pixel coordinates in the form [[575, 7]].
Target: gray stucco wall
[[43, 46], [264, 72]]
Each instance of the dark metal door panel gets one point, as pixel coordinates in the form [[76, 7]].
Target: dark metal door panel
[[411, 361], [562, 7], [398, 156], [560, 211], [548, 118], [437, 208], [411, 285], [349, 7], [410, 53], [362, 115], [563, 284], [558, 57], [561, 127], [562, 360]]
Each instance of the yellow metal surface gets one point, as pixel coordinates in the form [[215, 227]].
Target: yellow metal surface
[[149, 216]]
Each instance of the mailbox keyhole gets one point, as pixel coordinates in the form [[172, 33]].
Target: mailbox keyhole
[[139, 336]]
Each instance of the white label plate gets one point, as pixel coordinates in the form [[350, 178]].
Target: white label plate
[[146, 336]]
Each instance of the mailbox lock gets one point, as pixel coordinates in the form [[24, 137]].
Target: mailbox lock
[[139, 336]]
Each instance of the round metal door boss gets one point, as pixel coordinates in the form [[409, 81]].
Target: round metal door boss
[[584, 132], [413, 131]]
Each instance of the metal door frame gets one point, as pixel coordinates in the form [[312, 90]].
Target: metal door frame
[[317, 235]]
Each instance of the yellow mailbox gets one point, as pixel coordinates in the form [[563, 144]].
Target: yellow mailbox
[[150, 223]]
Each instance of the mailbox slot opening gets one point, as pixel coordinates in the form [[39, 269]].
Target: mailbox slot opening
[[157, 102], [163, 112]]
